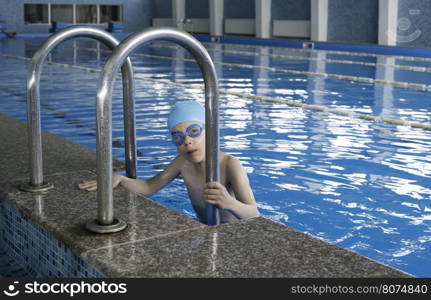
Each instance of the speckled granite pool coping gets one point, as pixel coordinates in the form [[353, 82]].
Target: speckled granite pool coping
[[14, 153], [160, 242]]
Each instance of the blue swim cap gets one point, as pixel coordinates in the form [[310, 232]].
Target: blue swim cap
[[186, 111]]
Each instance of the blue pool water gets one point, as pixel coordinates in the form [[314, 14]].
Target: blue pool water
[[362, 185]]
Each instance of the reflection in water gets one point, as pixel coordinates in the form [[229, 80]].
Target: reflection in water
[[132, 211], [39, 205], [213, 252], [383, 105], [260, 79]]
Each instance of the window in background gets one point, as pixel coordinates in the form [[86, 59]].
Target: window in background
[[110, 13], [36, 13], [62, 13], [86, 14]]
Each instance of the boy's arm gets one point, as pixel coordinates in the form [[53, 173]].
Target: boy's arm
[[154, 184], [243, 205], [146, 188]]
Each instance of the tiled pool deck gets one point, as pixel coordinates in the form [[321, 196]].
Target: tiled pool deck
[[158, 242]]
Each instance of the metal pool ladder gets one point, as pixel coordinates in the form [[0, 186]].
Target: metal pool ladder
[[105, 210], [37, 184]]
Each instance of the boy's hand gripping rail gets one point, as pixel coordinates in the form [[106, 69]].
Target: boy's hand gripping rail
[[37, 183], [104, 117]]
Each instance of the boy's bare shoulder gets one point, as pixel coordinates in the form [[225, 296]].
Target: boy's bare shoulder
[[178, 162], [179, 159], [230, 161]]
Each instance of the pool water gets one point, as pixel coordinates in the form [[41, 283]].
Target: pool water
[[362, 185]]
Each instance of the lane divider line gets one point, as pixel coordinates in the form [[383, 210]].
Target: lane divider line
[[293, 57], [401, 57], [249, 96], [307, 58], [418, 86]]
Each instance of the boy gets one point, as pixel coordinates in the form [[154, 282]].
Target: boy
[[232, 195]]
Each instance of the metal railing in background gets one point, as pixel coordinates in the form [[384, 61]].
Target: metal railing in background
[[37, 184], [104, 118]]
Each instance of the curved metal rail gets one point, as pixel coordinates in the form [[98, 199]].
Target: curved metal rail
[[37, 183], [104, 117]]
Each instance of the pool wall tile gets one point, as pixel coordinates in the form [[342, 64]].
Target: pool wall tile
[[36, 250]]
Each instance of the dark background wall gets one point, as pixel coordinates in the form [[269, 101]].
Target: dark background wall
[[353, 21], [162, 9], [197, 9], [239, 9], [349, 21], [291, 9]]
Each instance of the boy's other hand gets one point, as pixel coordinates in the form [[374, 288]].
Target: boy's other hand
[[216, 194], [90, 186]]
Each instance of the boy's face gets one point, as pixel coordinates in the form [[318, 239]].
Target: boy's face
[[193, 148]]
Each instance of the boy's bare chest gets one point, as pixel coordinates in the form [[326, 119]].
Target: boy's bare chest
[[195, 179]]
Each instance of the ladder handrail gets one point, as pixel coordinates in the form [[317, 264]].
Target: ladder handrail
[[33, 103], [104, 114]]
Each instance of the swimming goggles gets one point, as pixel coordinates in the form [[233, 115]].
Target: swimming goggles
[[192, 131]]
